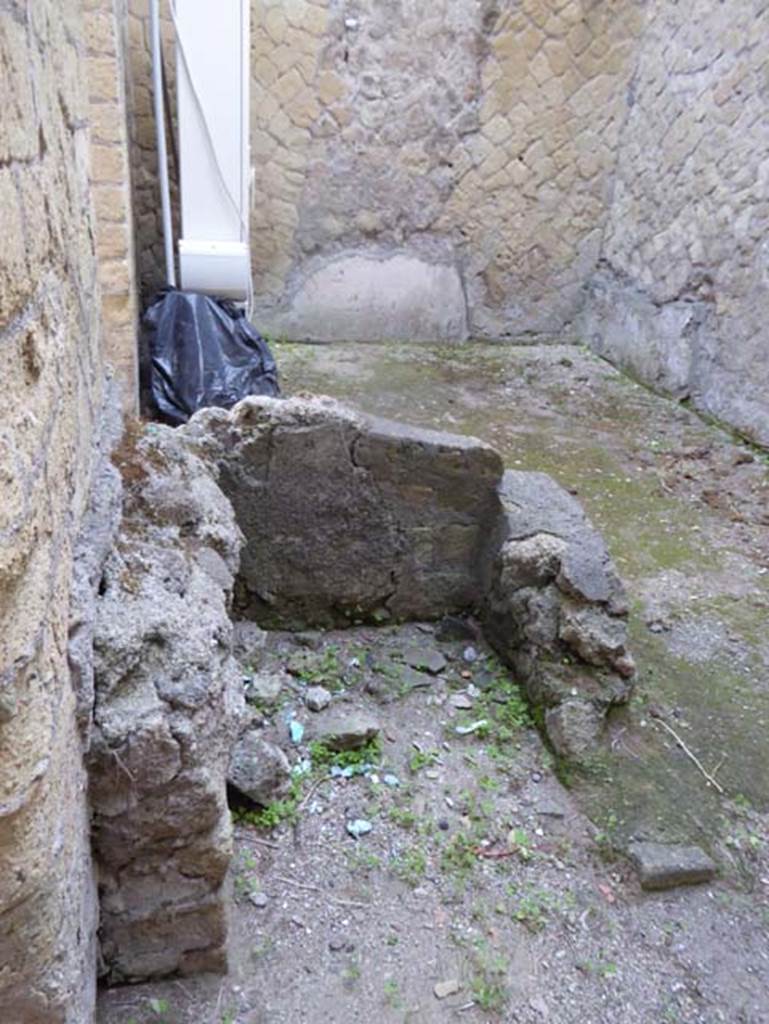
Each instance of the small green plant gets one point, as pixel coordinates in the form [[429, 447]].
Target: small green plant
[[742, 804], [488, 983], [274, 813], [459, 857], [361, 860], [606, 838], [410, 865], [404, 817], [159, 1008], [502, 710], [321, 669], [744, 841], [533, 907], [351, 973], [521, 843], [323, 758], [601, 968], [262, 948], [245, 883], [422, 759], [392, 996]]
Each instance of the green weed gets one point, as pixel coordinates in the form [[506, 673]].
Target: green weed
[[322, 757], [488, 983], [410, 865], [274, 813], [392, 996], [422, 759]]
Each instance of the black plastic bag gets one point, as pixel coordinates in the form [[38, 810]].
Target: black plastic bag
[[204, 352]]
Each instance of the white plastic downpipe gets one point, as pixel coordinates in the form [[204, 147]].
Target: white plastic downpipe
[[212, 53], [160, 129]]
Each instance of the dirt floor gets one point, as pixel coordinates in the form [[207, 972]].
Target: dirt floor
[[488, 867]]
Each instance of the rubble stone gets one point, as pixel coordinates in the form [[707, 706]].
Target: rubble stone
[[259, 770], [168, 702], [662, 866], [344, 730], [422, 524]]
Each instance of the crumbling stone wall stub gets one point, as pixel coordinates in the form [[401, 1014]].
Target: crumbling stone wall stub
[[168, 700], [556, 610], [342, 518]]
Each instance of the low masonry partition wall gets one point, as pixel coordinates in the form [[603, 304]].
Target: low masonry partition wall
[[294, 513]]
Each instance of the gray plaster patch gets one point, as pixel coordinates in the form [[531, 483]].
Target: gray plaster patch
[[360, 298]]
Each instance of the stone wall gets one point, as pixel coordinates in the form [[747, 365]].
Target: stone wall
[[410, 166], [51, 383], [397, 522], [681, 294]]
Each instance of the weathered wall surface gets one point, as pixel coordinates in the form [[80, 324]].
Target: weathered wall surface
[[478, 137], [397, 522], [683, 287], [475, 141], [509, 169], [50, 378]]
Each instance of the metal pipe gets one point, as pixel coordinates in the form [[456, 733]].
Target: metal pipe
[[160, 130]]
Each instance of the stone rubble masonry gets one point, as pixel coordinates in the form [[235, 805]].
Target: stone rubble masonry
[[168, 704], [103, 23], [591, 170], [51, 383], [352, 518], [556, 610]]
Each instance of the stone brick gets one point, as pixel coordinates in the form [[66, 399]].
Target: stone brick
[[112, 241], [104, 78], [111, 204], [107, 124], [119, 311], [114, 275], [108, 164], [314, 20], [330, 87], [275, 25], [287, 87], [100, 33]]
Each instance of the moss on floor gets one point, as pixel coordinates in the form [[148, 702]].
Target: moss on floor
[[561, 410]]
